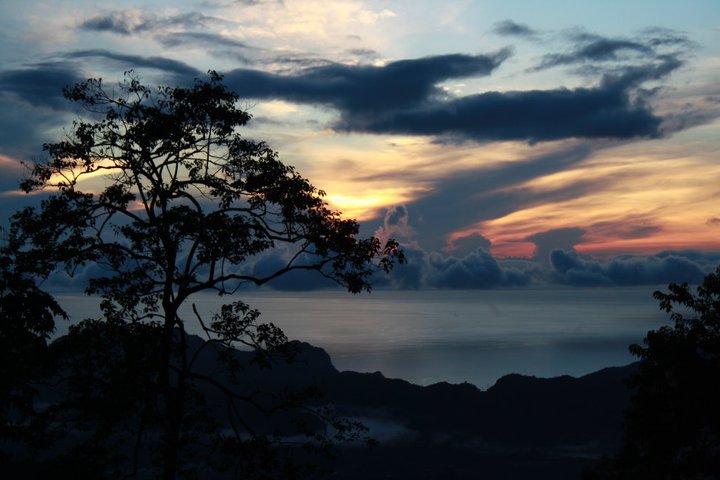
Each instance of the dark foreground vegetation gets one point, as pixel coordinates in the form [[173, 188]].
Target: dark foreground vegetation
[[188, 205]]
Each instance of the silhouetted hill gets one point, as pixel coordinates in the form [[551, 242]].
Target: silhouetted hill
[[517, 410], [522, 427]]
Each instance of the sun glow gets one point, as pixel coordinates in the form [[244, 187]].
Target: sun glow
[[366, 206], [626, 199]]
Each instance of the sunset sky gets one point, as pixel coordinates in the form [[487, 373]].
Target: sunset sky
[[494, 138]]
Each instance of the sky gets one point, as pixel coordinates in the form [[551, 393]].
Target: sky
[[503, 142]]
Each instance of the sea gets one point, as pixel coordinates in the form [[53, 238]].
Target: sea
[[431, 336]]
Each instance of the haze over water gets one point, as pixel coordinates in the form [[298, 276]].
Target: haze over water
[[455, 336]]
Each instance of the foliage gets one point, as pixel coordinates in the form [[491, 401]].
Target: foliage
[[184, 204], [673, 426], [26, 323]]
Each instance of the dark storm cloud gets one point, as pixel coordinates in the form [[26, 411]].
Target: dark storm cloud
[[32, 104], [665, 267], [633, 76], [512, 29], [477, 270], [463, 268], [127, 22], [23, 130], [559, 238], [468, 244], [404, 98], [652, 45], [603, 112], [214, 40], [601, 49], [114, 22], [410, 275], [40, 84], [294, 62], [365, 90], [138, 61], [363, 52]]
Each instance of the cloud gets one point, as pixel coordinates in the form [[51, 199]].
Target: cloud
[[128, 22], [465, 198], [652, 46], [116, 22], [294, 62], [297, 280], [33, 101], [665, 267], [365, 53], [559, 238], [363, 90], [407, 276], [41, 84], [215, 40], [396, 225], [463, 268], [467, 244], [404, 98], [708, 261], [138, 61], [597, 50], [631, 226], [555, 262], [477, 270], [633, 76], [222, 45], [32, 105], [509, 28], [540, 115]]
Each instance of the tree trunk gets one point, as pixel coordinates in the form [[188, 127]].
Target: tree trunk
[[173, 392]]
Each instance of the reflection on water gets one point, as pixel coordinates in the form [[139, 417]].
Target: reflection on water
[[455, 336]]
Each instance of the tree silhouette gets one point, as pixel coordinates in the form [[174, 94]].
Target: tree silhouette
[[186, 204], [26, 323], [673, 425]]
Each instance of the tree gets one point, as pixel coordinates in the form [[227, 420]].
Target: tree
[[673, 424], [188, 204], [26, 322]]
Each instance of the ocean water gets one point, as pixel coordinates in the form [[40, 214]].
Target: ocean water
[[455, 336]]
